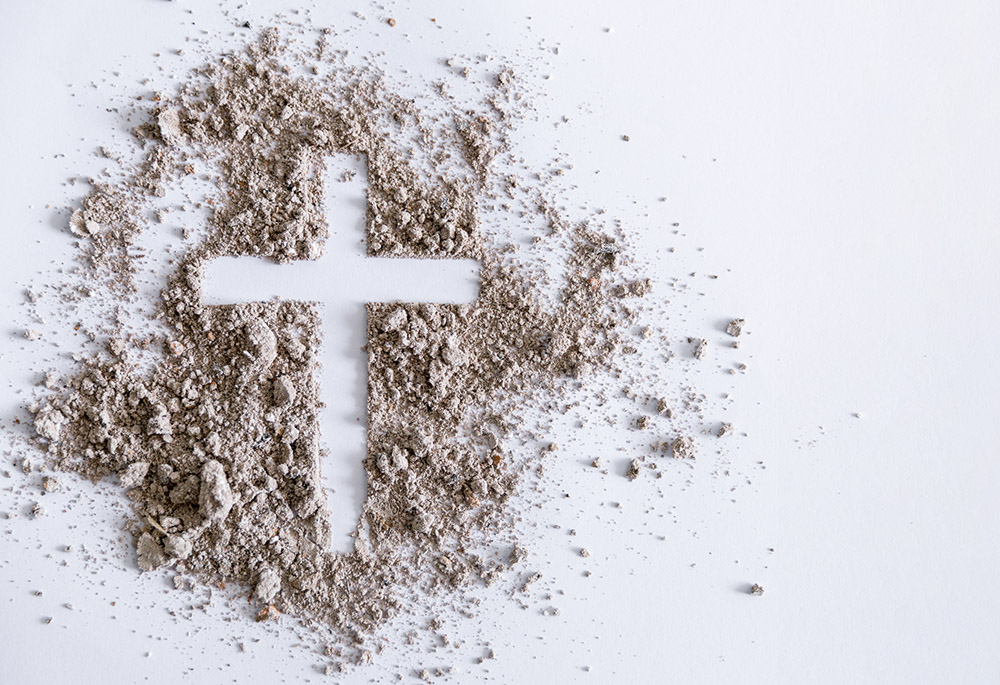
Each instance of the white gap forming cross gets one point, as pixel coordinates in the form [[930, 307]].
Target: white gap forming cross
[[342, 281]]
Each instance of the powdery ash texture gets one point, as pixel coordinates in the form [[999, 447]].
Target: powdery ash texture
[[217, 444]]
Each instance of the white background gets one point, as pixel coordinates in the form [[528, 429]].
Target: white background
[[838, 163]]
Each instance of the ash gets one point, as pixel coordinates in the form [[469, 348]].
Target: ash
[[217, 443]]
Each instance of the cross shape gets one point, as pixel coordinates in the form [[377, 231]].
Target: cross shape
[[342, 281]]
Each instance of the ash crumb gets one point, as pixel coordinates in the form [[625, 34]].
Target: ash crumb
[[32, 335], [531, 580], [584, 552], [517, 555], [215, 497], [283, 392], [48, 424], [735, 327], [725, 429], [169, 123], [633, 469], [37, 510], [683, 448], [77, 224], [756, 590], [663, 409], [134, 475], [637, 288], [268, 586], [700, 348], [177, 546], [50, 381], [642, 423], [116, 347], [149, 554]]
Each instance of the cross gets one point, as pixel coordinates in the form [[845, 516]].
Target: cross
[[342, 281]]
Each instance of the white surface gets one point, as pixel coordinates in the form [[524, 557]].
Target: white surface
[[838, 164]]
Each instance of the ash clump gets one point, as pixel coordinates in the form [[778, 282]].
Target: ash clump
[[217, 443]]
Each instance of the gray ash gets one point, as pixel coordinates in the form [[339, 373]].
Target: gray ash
[[217, 444]]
